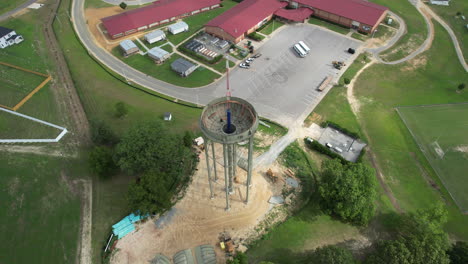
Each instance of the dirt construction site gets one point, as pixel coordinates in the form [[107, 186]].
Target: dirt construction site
[[197, 220]]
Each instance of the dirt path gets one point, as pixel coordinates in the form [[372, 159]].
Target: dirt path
[[40, 150], [84, 252], [69, 102], [355, 107], [63, 85]]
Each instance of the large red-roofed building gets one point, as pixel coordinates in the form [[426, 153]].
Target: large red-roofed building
[[160, 12], [243, 19], [358, 14]]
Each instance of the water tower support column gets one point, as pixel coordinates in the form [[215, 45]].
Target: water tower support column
[[214, 162], [208, 166], [249, 168], [226, 183]]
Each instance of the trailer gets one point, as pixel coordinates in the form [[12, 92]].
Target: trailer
[[324, 83]]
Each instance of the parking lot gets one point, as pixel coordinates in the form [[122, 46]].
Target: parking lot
[[350, 148], [281, 85]]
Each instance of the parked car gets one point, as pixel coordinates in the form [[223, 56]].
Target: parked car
[[243, 65], [249, 60], [258, 55], [351, 51], [329, 145]]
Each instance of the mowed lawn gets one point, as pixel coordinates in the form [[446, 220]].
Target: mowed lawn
[[456, 22], [40, 213], [16, 84], [8, 5], [420, 81], [199, 77], [442, 133], [415, 25]]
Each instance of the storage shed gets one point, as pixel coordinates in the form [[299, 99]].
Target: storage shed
[[128, 47], [178, 27], [155, 36], [158, 55], [183, 67]]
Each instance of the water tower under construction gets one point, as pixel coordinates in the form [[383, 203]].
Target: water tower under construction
[[229, 121]]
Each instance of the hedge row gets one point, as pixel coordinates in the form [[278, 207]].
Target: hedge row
[[340, 128], [199, 57], [315, 145], [256, 36]]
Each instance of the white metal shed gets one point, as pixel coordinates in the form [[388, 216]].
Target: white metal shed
[[178, 27], [155, 36]]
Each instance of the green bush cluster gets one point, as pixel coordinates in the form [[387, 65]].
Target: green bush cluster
[[315, 145], [256, 36]]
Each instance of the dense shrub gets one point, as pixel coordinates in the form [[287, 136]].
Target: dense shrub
[[256, 36], [315, 145]]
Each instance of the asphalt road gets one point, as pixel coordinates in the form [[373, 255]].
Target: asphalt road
[[280, 85]]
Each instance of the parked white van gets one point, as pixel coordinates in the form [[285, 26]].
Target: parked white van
[[299, 50], [304, 47]]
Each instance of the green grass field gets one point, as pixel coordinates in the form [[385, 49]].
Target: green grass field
[[381, 88], [8, 5], [456, 23], [40, 214], [16, 84], [416, 29], [271, 27], [441, 133], [200, 77], [331, 26], [221, 65], [196, 22]]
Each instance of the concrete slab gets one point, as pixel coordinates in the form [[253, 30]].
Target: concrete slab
[[350, 147]]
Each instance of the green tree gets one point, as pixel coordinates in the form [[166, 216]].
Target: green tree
[[151, 193], [331, 254], [458, 254], [239, 258], [188, 139], [123, 5], [346, 81], [101, 162], [419, 239], [150, 146], [348, 191], [461, 86], [120, 109], [101, 134]]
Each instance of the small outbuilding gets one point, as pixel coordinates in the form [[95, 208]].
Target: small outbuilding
[[128, 47], [178, 27], [158, 55], [155, 36], [167, 116], [183, 67]]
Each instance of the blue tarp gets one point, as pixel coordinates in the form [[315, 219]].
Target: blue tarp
[[126, 225]]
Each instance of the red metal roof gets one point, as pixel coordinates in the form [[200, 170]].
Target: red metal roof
[[295, 14], [156, 12], [239, 19], [357, 10]]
